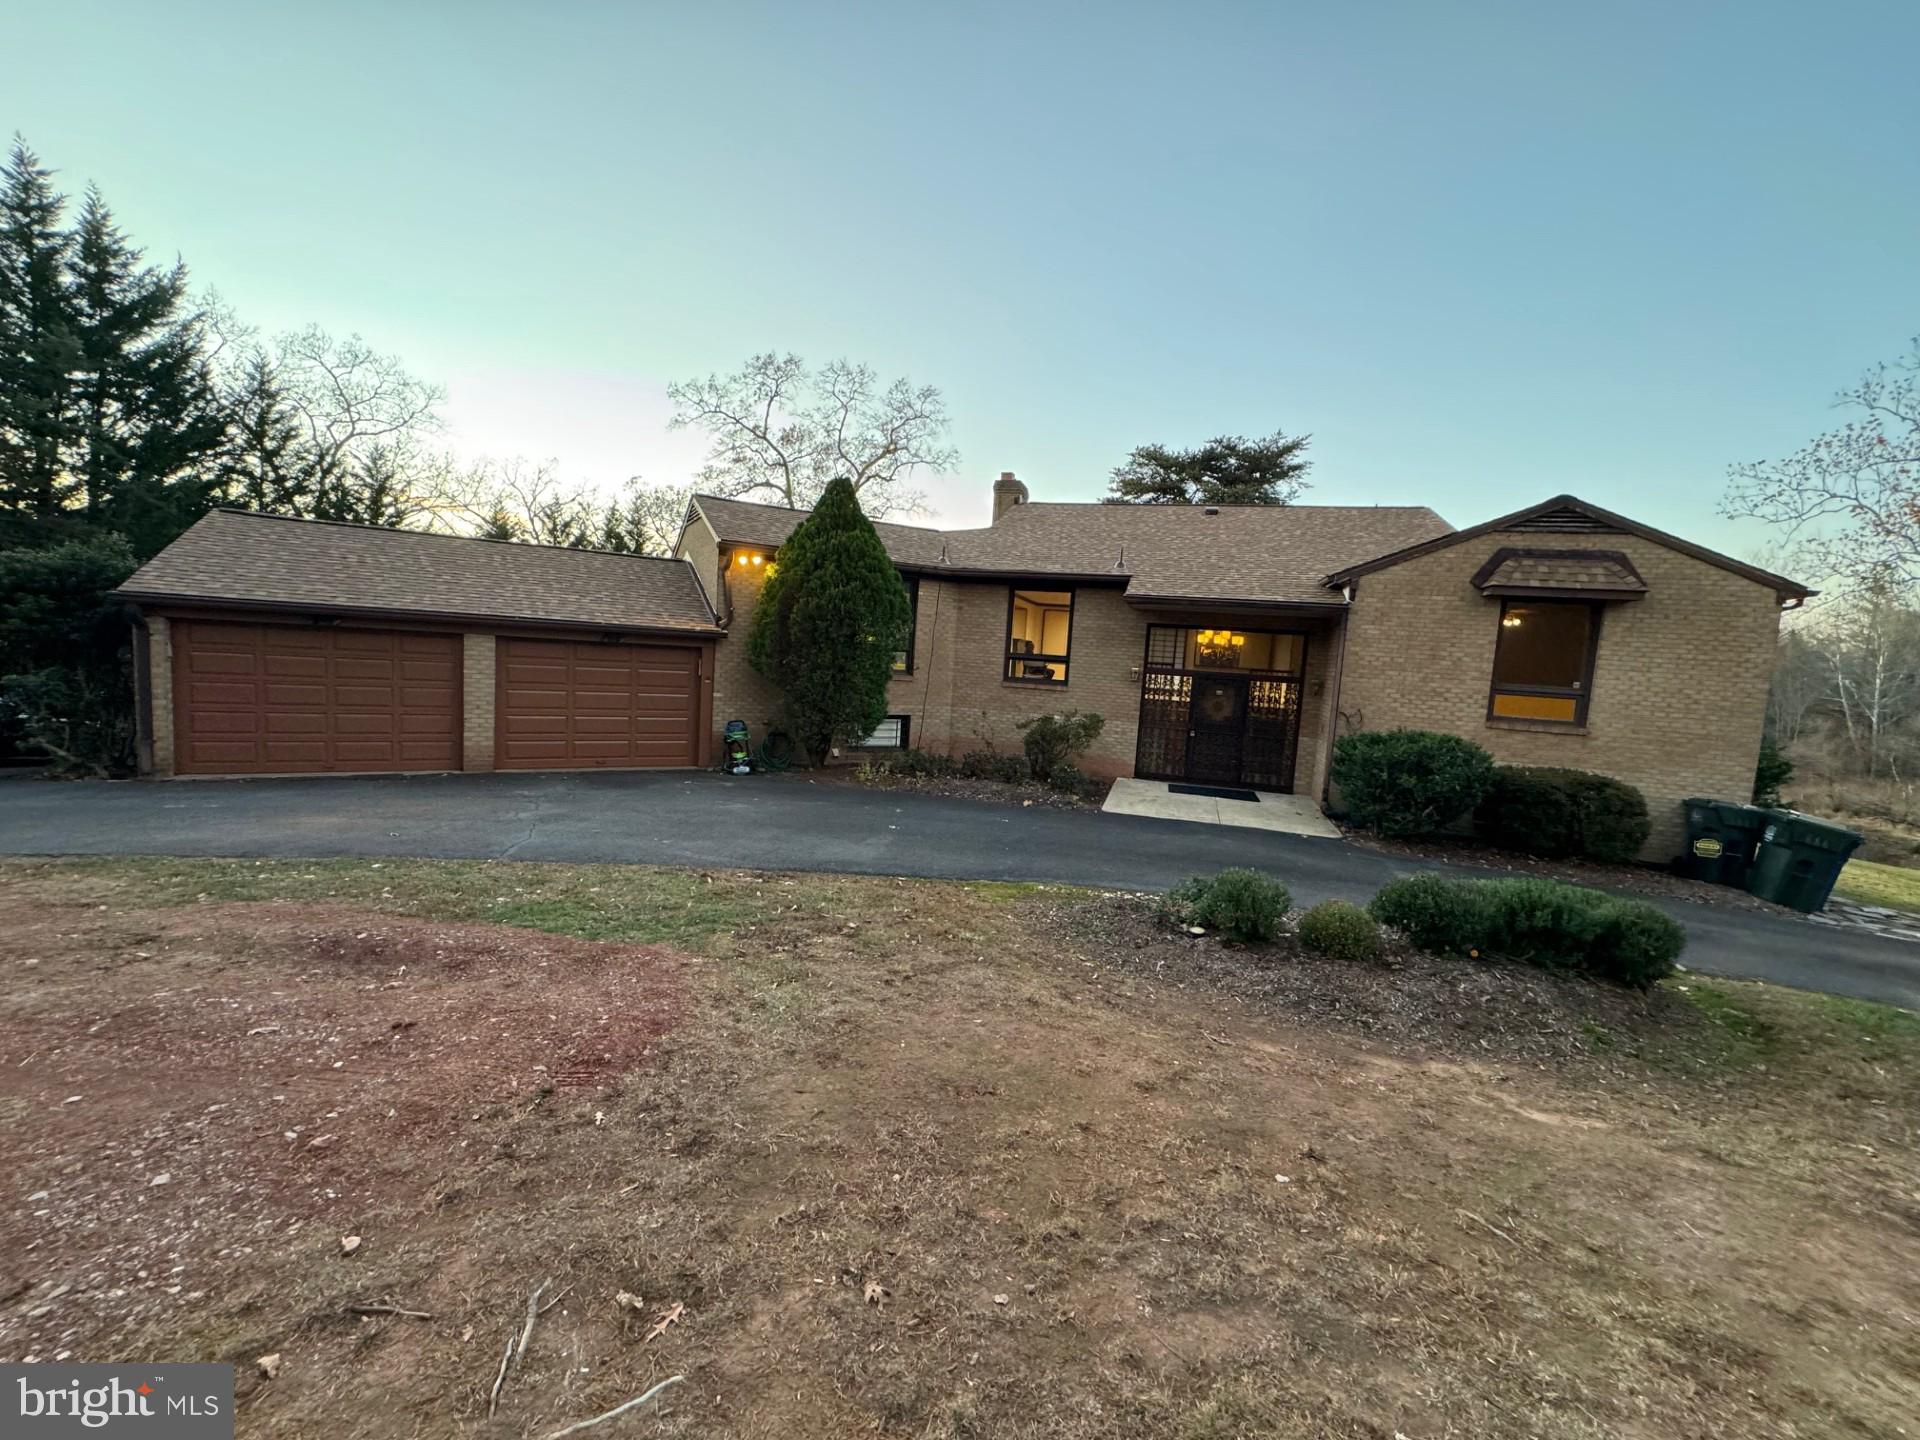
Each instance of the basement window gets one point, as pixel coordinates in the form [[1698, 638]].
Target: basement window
[[1543, 661], [892, 734]]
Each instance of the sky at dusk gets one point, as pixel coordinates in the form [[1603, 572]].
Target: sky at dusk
[[1484, 253]]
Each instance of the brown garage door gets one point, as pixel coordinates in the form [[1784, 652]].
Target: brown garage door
[[566, 704], [278, 699]]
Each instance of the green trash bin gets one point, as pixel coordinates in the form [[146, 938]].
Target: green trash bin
[[1799, 859], [1721, 839]]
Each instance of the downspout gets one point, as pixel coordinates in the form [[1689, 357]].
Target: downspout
[[1333, 707], [142, 694]]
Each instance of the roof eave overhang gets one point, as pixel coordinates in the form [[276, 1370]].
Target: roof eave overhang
[[1233, 603], [1560, 592], [702, 631], [1788, 592]]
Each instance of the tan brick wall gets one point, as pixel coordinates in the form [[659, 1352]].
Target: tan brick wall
[[959, 699], [477, 678], [1679, 688], [984, 708], [160, 682], [739, 691]]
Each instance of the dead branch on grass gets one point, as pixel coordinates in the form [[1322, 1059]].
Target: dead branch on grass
[[617, 1410], [388, 1310], [515, 1350]]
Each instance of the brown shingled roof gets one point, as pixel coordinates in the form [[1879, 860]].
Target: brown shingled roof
[[748, 522], [241, 558], [1565, 572], [1259, 553]]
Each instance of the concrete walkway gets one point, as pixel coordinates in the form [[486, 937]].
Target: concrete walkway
[[788, 822], [1288, 814]]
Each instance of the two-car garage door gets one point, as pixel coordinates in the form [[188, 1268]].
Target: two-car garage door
[[286, 699], [563, 705]]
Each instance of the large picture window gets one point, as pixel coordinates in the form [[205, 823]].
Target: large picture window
[[1039, 635], [1543, 661]]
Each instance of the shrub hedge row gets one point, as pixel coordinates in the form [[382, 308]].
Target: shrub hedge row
[[1536, 922], [1550, 812]]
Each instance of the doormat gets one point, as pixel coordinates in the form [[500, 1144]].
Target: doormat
[[1214, 792]]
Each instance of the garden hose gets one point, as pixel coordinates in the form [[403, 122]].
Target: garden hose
[[775, 752]]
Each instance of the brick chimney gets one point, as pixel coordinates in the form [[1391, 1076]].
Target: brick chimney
[[1007, 493]]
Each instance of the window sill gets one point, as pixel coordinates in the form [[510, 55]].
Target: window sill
[[1035, 684], [1542, 727]]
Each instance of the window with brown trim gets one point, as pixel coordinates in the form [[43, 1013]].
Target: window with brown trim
[[1039, 635], [1543, 661], [903, 659]]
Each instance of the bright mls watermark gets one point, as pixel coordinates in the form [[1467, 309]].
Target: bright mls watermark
[[154, 1402]]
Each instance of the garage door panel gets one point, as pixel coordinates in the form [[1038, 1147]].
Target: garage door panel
[[604, 706], [222, 662], [254, 699], [364, 697], [221, 692]]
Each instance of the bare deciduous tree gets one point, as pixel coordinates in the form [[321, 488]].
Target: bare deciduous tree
[[1851, 498], [519, 500], [781, 432]]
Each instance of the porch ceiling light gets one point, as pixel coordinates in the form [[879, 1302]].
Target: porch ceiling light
[[1510, 620]]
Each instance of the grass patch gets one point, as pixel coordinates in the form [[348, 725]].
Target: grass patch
[[692, 909], [1826, 1047], [1872, 883]]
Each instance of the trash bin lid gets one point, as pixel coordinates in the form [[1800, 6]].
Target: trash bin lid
[[1729, 812], [1790, 827]]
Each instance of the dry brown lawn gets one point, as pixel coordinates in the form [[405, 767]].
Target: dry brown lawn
[[917, 1159]]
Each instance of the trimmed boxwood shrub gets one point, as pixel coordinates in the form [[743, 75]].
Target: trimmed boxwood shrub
[[1401, 783], [1341, 931], [1536, 922], [1448, 917], [1541, 810], [1240, 904]]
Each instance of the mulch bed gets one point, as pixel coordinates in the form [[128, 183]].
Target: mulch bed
[[1471, 1008], [959, 787], [1639, 879]]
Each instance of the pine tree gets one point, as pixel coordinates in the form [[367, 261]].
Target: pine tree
[[830, 618], [151, 429], [37, 348], [267, 466]]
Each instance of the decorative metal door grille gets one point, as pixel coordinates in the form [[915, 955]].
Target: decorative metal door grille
[[1181, 740], [1166, 697]]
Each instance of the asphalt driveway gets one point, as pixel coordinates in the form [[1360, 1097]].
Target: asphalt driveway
[[788, 822]]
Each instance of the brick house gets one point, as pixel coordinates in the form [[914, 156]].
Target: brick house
[[1223, 645]]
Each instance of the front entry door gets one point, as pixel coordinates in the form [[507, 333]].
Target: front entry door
[[1217, 729]]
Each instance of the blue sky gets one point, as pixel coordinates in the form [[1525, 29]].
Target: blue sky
[[1483, 253]]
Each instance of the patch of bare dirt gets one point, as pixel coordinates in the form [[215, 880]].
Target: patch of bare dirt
[[921, 1162]]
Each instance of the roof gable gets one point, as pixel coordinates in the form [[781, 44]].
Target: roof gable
[[1568, 514]]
